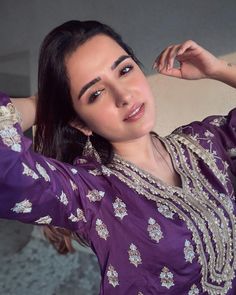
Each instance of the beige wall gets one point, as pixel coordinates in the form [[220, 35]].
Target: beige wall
[[179, 101]]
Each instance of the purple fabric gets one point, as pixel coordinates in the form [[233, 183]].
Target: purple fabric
[[141, 248]]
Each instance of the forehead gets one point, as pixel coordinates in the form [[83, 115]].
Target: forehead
[[93, 57]]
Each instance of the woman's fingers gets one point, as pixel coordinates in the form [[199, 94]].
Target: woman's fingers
[[187, 45], [164, 63], [160, 61], [166, 59], [172, 56]]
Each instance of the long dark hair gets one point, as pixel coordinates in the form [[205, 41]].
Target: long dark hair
[[55, 137]]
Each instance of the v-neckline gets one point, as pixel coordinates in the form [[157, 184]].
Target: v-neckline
[[149, 175]]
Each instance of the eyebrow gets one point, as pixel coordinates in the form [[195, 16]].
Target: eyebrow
[[94, 81]]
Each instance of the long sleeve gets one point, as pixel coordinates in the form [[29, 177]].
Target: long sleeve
[[33, 188], [217, 135]]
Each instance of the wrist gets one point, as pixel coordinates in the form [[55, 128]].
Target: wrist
[[221, 70]]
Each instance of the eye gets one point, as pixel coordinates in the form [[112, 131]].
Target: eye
[[94, 95], [126, 70]]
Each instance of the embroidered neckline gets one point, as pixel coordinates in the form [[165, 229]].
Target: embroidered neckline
[[154, 179], [206, 215]]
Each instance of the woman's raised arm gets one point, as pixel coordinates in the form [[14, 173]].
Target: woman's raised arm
[[35, 189], [26, 108], [195, 62]]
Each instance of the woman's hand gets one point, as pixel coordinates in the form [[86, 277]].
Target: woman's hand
[[195, 62]]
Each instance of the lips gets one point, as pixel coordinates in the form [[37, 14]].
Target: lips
[[135, 113]]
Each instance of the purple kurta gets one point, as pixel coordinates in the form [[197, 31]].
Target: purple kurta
[[149, 237]]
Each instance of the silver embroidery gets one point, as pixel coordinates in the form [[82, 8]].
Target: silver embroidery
[[29, 172], [51, 166], [63, 198], [79, 216], [8, 116], [11, 138], [209, 134], [74, 171], [101, 229], [198, 204], [44, 220], [219, 121], [194, 290], [82, 161], [22, 207], [154, 230], [232, 152], [106, 171], [112, 276], [134, 255], [95, 195], [167, 278], [119, 208], [189, 253], [73, 185], [165, 211], [95, 172], [42, 172]]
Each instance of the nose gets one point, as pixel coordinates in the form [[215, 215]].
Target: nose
[[122, 96]]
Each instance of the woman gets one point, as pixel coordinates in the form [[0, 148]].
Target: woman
[[158, 212]]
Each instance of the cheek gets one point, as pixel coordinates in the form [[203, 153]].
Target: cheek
[[97, 120]]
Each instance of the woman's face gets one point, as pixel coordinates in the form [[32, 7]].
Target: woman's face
[[109, 91]]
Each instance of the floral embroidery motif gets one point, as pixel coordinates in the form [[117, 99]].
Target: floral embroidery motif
[[112, 276], [79, 216], [166, 278], [44, 220], [95, 195], [232, 152], [106, 171], [51, 166], [189, 253], [8, 116], [22, 207], [101, 229], [194, 290], [29, 172], [95, 172], [42, 172], [165, 211], [82, 161], [73, 185], [119, 208], [154, 230], [219, 121], [210, 220], [11, 138], [63, 198], [74, 171], [134, 255]]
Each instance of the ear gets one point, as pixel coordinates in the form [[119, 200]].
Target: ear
[[84, 129]]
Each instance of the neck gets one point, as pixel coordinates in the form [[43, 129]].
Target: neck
[[138, 150]]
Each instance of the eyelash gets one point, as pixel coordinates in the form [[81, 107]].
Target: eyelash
[[97, 93], [94, 95], [122, 71]]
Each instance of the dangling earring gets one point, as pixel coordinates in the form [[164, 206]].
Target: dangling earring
[[89, 150]]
